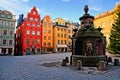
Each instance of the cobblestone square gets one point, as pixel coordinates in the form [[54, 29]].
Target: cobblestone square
[[30, 68]]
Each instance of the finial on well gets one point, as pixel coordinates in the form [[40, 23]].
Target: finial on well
[[86, 9]]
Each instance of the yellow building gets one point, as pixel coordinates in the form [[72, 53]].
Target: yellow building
[[60, 35], [105, 21], [47, 35]]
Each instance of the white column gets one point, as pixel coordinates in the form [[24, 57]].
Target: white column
[[6, 51], [0, 51], [12, 51]]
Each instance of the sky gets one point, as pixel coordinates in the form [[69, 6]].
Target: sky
[[70, 10]]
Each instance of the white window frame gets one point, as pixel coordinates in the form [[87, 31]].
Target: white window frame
[[38, 33], [33, 25], [7, 32], [28, 32], [2, 41], [9, 42], [28, 24], [36, 19], [31, 18], [13, 32], [33, 32]]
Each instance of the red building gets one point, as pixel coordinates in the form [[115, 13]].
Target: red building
[[28, 34]]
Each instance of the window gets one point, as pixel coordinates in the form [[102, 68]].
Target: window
[[33, 25], [5, 32], [49, 31], [2, 15], [10, 42], [9, 17], [44, 24], [69, 31], [58, 41], [28, 24], [61, 41], [44, 37], [11, 33], [58, 34], [64, 41], [32, 41], [65, 30], [28, 32], [49, 44], [49, 38], [34, 13], [31, 18], [44, 30], [27, 41], [58, 29], [44, 43], [69, 36], [64, 35], [36, 19], [38, 41], [4, 41], [38, 32], [11, 24], [33, 32], [61, 35], [5, 23], [38, 25], [49, 25]]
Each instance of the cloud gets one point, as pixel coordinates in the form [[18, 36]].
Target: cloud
[[19, 7], [65, 0], [95, 8], [25, 0], [14, 5], [93, 5]]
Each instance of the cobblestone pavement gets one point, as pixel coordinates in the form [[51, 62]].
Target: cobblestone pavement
[[30, 68]]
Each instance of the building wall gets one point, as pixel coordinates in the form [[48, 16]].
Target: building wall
[[60, 39], [47, 34], [105, 21], [7, 30], [29, 38], [60, 21]]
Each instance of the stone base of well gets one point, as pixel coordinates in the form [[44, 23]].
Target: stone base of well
[[91, 61]]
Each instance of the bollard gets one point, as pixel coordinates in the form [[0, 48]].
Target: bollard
[[71, 60], [116, 62], [64, 62], [101, 66], [79, 65], [67, 60]]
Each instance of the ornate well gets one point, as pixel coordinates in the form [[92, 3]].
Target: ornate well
[[89, 43]]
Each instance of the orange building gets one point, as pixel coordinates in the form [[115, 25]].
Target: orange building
[[47, 35], [60, 35], [105, 21]]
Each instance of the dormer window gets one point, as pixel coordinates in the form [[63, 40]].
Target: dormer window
[[31, 18], [34, 13], [9, 17]]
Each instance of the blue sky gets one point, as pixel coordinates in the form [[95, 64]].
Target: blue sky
[[67, 9]]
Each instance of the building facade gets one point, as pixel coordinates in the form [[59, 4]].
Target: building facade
[[60, 35], [71, 26], [28, 34], [47, 35], [7, 30], [105, 21]]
